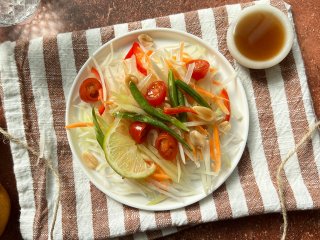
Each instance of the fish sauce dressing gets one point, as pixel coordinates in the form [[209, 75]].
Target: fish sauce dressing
[[260, 36]]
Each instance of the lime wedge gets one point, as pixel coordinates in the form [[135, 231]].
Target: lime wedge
[[124, 157]]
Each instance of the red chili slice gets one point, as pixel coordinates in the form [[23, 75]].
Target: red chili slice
[[167, 146], [138, 53]]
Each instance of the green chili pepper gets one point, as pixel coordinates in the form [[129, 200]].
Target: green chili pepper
[[154, 122], [155, 112], [172, 90], [99, 133], [194, 94], [181, 101]]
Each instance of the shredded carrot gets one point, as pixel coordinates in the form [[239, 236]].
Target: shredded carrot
[[149, 52], [159, 170], [212, 69], [203, 92], [186, 60], [216, 99], [158, 175], [108, 102], [189, 99], [147, 56], [206, 93], [211, 145], [185, 57], [175, 72], [217, 150], [79, 124], [217, 83], [201, 130]]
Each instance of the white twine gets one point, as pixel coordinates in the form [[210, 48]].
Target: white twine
[[279, 177], [48, 163]]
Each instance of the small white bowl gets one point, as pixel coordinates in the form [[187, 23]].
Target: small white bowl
[[255, 64]]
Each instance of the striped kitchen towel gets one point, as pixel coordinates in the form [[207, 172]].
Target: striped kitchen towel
[[35, 80]]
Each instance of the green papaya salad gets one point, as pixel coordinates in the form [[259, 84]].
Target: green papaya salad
[[155, 119]]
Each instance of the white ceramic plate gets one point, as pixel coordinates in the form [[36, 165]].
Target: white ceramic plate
[[162, 37]]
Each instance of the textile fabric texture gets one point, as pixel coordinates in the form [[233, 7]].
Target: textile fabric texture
[[36, 77]]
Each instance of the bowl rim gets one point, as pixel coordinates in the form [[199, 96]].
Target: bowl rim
[[254, 64]]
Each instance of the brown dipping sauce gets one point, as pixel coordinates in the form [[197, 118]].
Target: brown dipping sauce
[[259, 36]]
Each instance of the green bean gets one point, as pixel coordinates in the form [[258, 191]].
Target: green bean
[[98, 131], [181, 101], [154, 122], [155, 112], [172, 90], [193, 93]]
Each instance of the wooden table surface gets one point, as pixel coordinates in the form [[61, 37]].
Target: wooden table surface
[[55, 16]]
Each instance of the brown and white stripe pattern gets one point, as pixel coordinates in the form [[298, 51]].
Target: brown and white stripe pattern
[[293, 88], [12, 105], [64, 156], [42, 98], [31, 123], [36, 78]]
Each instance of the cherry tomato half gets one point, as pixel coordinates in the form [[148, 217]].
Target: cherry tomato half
[[201, 68], [156, 93], [139, 131], [89, 90], [167, 146]]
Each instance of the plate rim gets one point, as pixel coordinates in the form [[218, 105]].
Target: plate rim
[[87, 172]]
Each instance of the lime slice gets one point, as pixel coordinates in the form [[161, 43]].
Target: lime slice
[[124, 157]]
